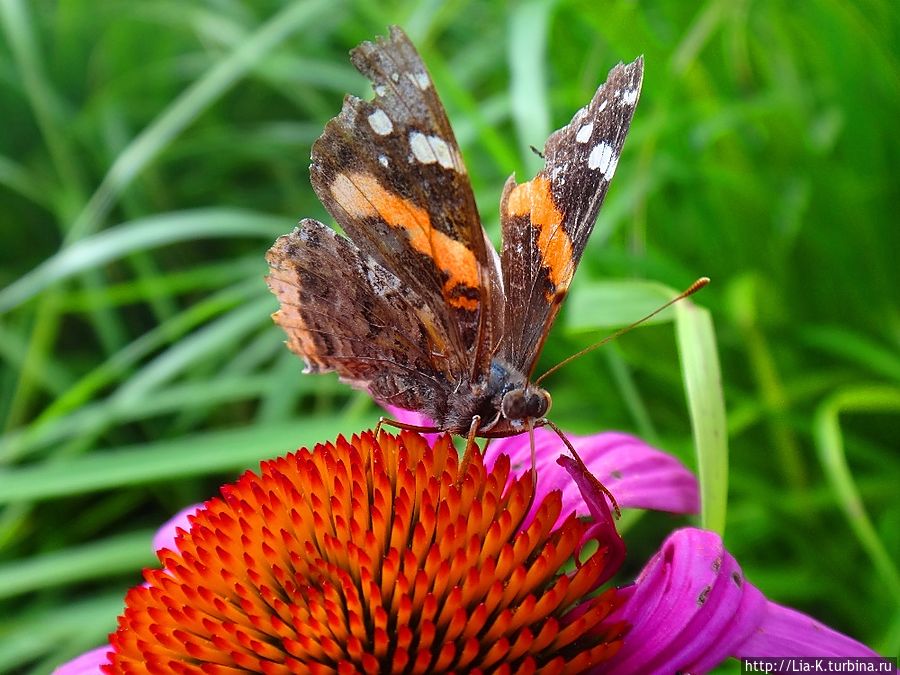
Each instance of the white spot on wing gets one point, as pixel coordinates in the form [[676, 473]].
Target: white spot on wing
[[420, 79], [421, 150], [383, 160], [431, 149], [603, 157], [379, 89], [380, 122], [395, 77], [629, 96], [442, 152], [603, 105], [584, 133]]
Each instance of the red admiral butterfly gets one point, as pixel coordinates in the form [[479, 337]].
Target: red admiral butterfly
[[414, 305]]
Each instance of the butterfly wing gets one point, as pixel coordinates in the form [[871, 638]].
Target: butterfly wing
[[546, 222], [390, 172], [343, 311]]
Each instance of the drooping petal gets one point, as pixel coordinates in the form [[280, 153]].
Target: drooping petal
[[603, 529], [87, 664], [637, 474], [691, 608], [787, 632]]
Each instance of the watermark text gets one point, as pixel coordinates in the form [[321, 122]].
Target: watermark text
[[797, 664]]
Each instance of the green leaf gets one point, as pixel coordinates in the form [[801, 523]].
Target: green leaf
[[613, 304]]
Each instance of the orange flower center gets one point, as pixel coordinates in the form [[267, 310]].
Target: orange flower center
[[365, 556]]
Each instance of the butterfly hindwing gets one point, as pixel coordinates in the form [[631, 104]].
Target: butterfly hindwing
[[375, 333], [390, 172], [546, 222]]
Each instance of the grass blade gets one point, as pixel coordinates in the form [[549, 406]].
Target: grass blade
[[830, 446], [138, 235], [612, 304], [96, 560], [527, 58], [190, 455], [703, 386], [187, 107]]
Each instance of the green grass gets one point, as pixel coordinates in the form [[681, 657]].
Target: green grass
[[153, 150]]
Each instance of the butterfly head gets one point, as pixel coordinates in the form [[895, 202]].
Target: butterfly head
[[528, 402], [508, 403]]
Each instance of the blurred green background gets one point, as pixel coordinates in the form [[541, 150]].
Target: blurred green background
[[152, 151]]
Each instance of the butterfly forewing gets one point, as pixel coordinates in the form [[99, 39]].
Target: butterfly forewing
[[546, 222], [391, 174]]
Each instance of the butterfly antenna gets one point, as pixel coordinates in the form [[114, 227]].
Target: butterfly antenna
[[690, 290]]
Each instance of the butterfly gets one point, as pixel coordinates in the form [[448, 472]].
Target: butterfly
[[413, 303]]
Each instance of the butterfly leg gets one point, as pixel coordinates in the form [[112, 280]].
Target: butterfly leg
[[403, 425], [591, 477], [467, 454]]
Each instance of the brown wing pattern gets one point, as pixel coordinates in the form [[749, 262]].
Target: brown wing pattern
[[391, 174], [343, 311], [546, 222]]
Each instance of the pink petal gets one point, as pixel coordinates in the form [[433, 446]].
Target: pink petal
[[787, 632], [165, 535], [688, 609], [691, 608], [603, 529], [87, 664], [638, 475]]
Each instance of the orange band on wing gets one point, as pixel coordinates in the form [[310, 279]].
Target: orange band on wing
[[361, 195], [534, 199]]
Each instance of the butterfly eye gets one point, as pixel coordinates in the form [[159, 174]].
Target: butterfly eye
[[521, 404], [538, 403], [515, 404], [547, 401]]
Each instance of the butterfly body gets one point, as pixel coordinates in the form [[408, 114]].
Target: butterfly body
[[414, 304], [503, 401]]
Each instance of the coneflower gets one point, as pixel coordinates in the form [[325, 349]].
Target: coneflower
[[375, 556]]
